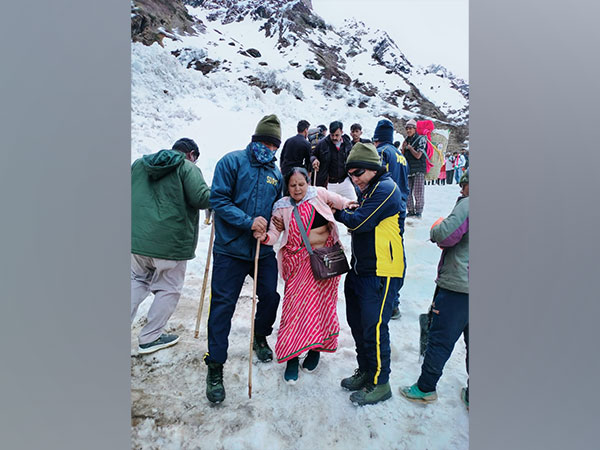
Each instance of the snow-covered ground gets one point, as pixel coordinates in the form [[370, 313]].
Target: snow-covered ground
[[170, 409]]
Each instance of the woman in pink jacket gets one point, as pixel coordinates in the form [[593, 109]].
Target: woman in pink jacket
[[309, 314]]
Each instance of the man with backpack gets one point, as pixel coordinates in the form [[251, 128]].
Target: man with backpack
[[246, 184], [414, 149], [315, 135], [296, 151], [167, 191]]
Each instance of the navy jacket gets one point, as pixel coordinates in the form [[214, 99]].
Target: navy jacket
[[377, 244], [242, 189], [395, 163]]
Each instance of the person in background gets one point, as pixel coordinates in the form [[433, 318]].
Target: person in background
[[309, 319], [449, 167], [329, 159], [459, 165], [356, 133], [376, 274], [246, 184], [167, 192], [296, 151], [414, 148], [442, 176], [450, 305]]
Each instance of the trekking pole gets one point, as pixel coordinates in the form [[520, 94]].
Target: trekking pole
[[252, 318], [205, 281]]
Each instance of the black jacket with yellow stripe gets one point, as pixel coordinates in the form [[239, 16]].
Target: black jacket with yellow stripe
[[377, 245]]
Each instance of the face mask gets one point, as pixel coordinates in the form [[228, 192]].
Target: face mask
[[261, 152]]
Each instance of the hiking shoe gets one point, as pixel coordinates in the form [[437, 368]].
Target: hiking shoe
[[414, 394], [410, 214], [291, 371], [311, 361], [215, 391], [356, 381], [417, 216], [262, 349], [464, 395], [396, 313], [371, 394], [164, 341]]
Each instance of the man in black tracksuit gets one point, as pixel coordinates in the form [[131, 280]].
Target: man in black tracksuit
[[296, 151]]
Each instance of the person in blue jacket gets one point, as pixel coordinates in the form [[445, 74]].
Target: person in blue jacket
[[376, 274], [246, 184], [395, 163]]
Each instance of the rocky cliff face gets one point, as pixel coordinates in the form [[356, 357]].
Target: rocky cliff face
[[153, 20], [334, 56]]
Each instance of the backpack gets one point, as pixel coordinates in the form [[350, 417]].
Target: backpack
[[315, 135], [434, 157]]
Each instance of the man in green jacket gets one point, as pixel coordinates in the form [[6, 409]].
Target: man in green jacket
[[167, 192]]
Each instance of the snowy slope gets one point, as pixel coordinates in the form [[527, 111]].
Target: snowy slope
[[170, 100]]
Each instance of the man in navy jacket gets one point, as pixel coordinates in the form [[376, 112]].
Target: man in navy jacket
[[245, 186], [395, 163], [377, 273]]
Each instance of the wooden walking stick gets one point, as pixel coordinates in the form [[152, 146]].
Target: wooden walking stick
[[205, 281], [252, 318], [315, 177]]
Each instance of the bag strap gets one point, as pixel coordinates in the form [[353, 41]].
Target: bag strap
[[302, 230]]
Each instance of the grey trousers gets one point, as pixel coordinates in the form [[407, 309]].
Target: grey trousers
[[164, 278]]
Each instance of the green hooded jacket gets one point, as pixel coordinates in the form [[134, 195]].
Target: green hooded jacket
[[167, 192]]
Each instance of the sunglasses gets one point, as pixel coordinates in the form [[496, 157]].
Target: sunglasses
[[357, 173]]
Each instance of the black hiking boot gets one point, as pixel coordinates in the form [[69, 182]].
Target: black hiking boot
[[396, 314], [215, 391], [371, 394], [355, 382], [262, 349], [311, 361]]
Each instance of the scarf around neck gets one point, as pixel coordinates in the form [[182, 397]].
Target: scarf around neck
[[288, 201], [261, 152]]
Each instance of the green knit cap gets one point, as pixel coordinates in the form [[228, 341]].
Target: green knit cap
[[464, 178], [268, 130], [364, 156]]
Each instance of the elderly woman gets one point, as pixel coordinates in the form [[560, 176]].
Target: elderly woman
[[309, 315]]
